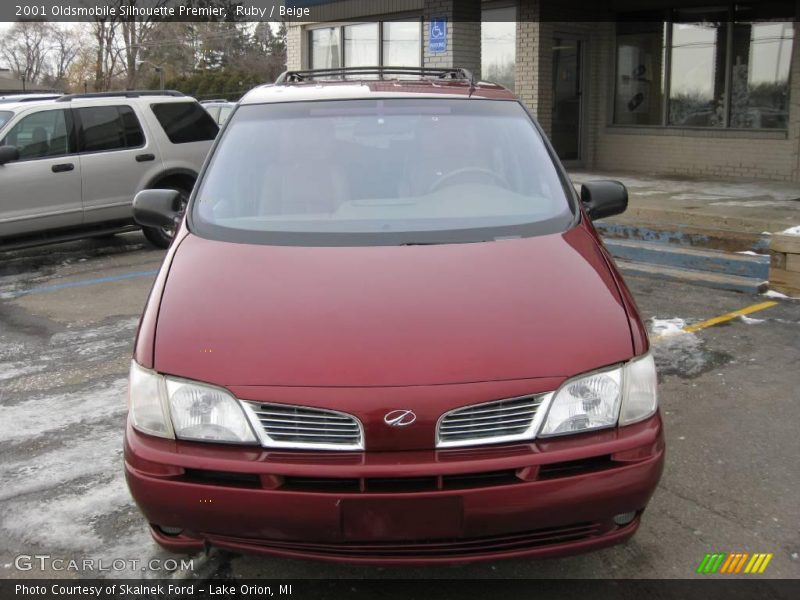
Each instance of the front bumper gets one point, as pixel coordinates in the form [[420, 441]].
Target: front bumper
[[545, 498]]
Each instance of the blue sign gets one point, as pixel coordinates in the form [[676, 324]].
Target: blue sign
[[437, 35]]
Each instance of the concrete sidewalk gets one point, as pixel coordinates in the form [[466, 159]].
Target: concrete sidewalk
[[725, 215]]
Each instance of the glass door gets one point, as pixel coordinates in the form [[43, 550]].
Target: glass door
[[567, 97]]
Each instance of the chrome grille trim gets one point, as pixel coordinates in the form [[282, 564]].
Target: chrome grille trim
[[304, 427], [498, 421]]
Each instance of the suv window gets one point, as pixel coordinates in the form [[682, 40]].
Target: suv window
[[40, 135], [381, 172], [185, 122], [109, 128]]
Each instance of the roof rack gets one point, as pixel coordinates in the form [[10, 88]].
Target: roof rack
[[9, 100], [123, 94], [455, 73]]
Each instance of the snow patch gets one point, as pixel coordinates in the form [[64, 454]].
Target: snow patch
[[750, 320], [774, 294], [62, 465], [756, 203], [12, 370], [678, 352], [50, 413], [667, 327], [66, 521], [792, 230]]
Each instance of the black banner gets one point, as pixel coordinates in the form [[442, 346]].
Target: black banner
[[342, 10], [405, 589]]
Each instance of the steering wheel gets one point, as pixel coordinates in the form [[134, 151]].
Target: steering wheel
[[479, 170]]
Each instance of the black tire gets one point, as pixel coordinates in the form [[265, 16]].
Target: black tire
[[162, 237]]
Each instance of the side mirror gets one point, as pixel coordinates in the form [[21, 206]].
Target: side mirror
[[8, 154], [157, 208], [604, 198]]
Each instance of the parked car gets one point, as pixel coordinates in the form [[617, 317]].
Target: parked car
[[219, 110], [389, 333], [70, 166]]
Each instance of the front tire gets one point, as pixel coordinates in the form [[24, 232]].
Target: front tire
[[161, 237]]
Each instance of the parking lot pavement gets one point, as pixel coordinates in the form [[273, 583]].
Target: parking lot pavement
[[68, 315]]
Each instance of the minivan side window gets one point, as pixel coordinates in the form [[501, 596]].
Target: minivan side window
[[106, 128], [43, 134], [185, 122]]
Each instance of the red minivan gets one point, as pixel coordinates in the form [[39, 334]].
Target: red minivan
[[387, 332]]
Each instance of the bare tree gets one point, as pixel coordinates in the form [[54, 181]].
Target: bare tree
[[64, 49], [25, 48], [135, 33], [106, 55]]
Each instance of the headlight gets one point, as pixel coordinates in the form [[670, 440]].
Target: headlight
[[583, 403], [176, 408], [201, 412], [598, 400]]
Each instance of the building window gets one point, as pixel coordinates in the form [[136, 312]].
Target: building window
[[390, 43], [402, 42], [325, 52], [704, 68], [639, 94], [499, 45], [760, 75], [361, 45], [697, 69]]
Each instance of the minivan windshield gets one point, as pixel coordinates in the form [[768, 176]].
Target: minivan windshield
[[384, 171], [5, 115]]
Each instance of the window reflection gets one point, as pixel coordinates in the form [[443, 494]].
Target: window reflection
[[760, 75], [726, 66], [499, 45], [697, 74], [640, 73]]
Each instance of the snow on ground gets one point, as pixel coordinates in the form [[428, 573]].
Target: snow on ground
[[62, 484], [750, 320], [47, 414], [774, 294], [678, 352], [749, 203], [662, 327]]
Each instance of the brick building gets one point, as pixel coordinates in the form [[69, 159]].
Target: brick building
[[692, 87]]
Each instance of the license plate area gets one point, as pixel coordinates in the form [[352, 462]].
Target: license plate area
[[388, 519]]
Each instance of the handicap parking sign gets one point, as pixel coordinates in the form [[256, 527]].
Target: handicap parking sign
[[437, 35]]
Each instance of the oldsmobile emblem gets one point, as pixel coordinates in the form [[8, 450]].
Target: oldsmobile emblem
[[399, 418]]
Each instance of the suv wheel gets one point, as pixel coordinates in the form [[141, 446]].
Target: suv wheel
[[162, 237]]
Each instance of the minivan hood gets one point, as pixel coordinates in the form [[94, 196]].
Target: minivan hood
[[257, 315]]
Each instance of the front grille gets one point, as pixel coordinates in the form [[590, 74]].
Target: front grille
[[400, 485], [488, 423], [287, 426], [466, 546]]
